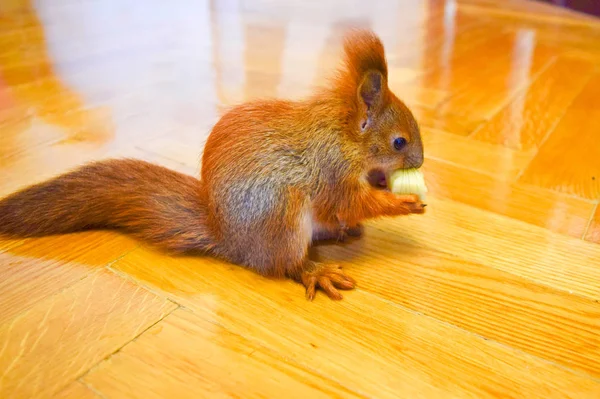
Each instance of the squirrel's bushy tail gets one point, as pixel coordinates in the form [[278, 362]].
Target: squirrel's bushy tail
[[157, 205]]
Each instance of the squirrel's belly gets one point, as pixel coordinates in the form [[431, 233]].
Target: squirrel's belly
[[306, 224]]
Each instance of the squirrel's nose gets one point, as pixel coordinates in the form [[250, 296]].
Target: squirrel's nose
[[414, 161]]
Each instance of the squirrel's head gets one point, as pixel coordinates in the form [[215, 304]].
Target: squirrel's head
[[386, 128]]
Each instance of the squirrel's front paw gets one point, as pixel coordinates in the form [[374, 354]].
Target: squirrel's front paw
[[328, 278], [410, 204]]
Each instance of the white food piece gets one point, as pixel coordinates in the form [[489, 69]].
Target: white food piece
[[408, 181]]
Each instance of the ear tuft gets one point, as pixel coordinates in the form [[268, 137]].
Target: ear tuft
[[365, 70], [364, 52]]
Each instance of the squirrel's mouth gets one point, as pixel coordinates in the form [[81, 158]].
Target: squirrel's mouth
[[378, 179]]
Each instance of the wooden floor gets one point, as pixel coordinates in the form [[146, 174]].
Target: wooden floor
[[495, 292]]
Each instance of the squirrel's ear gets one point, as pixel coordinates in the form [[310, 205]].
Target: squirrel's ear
[[371, 89], [371, 93]]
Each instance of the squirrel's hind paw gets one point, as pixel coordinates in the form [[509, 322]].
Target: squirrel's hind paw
[[327, 277]]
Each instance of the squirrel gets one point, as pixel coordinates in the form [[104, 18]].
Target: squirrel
[[276, 177]]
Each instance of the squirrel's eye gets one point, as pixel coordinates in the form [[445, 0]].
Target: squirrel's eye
[[399, 143]]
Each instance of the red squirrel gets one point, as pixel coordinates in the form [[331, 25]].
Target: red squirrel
[[276, 176]]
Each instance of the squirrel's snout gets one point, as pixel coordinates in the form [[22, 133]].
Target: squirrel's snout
[[414, 161]]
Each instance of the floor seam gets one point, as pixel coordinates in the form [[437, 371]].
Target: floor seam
[[589, 222], [66, 287], [146, 287], [91, 388], [107, 357], [280, 355]]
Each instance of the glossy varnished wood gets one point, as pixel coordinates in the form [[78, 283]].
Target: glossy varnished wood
[[186, 354], [494, 292], [555, 211], [61, 337], [76, 390], [35, 269], [415, 354], [525, 122], [593, 233], [573, 154]]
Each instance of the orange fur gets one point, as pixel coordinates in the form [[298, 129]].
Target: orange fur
[[276, 175], [155, 204]]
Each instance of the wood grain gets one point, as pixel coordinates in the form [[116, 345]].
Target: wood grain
[[572, 151], [183, 152], [492, 303], [532, 115], [188, 357], [446, 39], [593, 232], [507, 66], [503, 64], [423, 101], [557, 212], [500, 162], [531, 252], [448, 73], [76, 390], [431, 117], [33, 269], [25, 62], [61, 337], [570, 35], [390, 343], [42, 163]]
